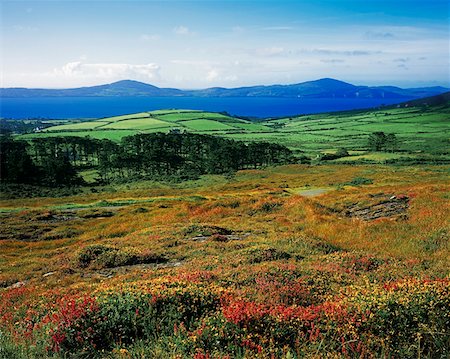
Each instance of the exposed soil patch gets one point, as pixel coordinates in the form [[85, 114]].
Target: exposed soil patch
[[51, 217], [384, 206], [95, 213], [313, 192], [32, 226], [202, 233], [111, 272], [16, 285]]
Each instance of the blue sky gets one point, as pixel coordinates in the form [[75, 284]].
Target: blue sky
[[197, 44]]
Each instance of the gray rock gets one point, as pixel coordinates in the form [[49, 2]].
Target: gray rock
[[48, 274]]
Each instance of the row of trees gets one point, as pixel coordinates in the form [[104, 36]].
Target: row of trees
[[57, 160], [17, 166]]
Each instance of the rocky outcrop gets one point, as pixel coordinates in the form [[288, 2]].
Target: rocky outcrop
[[385, 206]]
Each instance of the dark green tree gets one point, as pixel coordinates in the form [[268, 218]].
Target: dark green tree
[[341, 152], [59, 171], [16, 164], [391, 143], [377, 141]]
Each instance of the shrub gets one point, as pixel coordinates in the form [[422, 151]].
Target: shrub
[[87, 326], [358, 181], [91, 253], [342, 152], [195, 230], [436, 241], [265, 207], [95, 213], [140, 210], [101, 256], [258, 255]]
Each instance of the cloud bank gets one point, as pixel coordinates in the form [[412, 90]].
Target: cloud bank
[[108, 71]]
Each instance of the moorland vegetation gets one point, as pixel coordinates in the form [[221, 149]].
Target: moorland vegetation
[[185, 245], [258, 264]]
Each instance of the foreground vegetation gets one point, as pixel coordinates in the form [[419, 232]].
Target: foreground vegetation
[[287, 262]]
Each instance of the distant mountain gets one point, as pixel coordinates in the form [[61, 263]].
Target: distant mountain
[[323, 88], [120, 88]]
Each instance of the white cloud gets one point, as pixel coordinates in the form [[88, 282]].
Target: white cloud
[[268, 51], [278, 28], [149, 37], [25, 28], [108, 71], [379, 35], [194, 62], [402, 59], [332, 61], [238, 29], [212, 75], [343, 52], [182, 30], [69, 69]]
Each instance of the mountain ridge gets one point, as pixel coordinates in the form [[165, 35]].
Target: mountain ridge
[[321, 88]]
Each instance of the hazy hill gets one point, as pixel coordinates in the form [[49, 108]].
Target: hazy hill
[[120, 88], [441, 99], [323, 88]]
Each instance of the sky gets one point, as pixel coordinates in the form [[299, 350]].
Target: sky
[[199, 44]]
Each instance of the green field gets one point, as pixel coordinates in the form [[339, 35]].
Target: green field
[[114, 135], [420, 130], [207, 125], [137, 124]]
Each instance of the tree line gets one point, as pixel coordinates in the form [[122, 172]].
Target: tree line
[[58, 160]]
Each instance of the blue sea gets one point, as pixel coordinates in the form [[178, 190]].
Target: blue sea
[[97, 107]]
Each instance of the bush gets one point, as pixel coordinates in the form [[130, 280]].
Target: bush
[[95, 213], [195, 230], [101, 256], [91, 253], [121, 318], [358, 181], [265, 207], [342, 152], [258, 255]]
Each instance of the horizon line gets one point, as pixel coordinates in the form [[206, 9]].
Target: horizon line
[[227, 88]]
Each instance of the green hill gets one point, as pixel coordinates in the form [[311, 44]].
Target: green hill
[[422, 130], [157, 121]]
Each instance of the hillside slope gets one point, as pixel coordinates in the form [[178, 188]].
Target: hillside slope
[[160, 121], [420, 128]]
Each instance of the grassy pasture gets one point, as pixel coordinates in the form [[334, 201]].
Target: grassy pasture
[[206, 125], [197, 115], [138, 124], [419, 130], [80, 126], [125, 117], [114, 135]]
